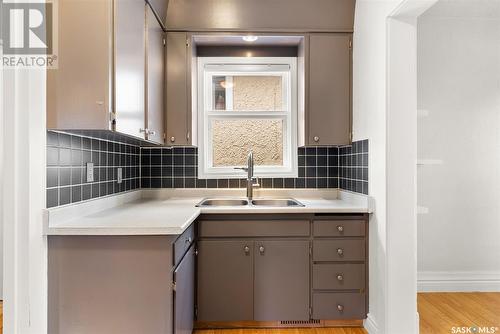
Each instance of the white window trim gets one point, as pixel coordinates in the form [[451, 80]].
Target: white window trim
[[226, 65]]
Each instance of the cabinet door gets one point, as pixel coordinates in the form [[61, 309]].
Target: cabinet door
[[281, 288], [184, 278], [329, 112], [225, 280], [130, 67], [155, 78], [78, 91], [177, 90]]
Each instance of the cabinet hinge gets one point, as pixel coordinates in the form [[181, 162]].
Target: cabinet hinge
[[187, 42], [196, 252], [310, 250], [173, 286], [188, 134], [350, 44], [164, 42], [112, 116], [310, 311], [196, 311], [350, 137]]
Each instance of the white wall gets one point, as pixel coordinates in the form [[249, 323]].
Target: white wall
[[369, 121], [459, 84]]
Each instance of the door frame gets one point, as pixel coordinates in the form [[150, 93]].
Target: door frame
[[401, 166], [23, 201]]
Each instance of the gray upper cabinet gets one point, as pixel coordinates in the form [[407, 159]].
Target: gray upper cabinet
[[155, 56], [79, 91], [100, 83], [178, 92], [260, 15], [328, 110], [225, 280], [281, 287], [129, 67]]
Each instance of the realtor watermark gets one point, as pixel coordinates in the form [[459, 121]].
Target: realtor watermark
[[29, 34], [474, 330]]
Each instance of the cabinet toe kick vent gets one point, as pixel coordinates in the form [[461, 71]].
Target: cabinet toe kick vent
[[299, 322]]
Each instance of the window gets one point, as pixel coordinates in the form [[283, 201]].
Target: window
[[247, 104]]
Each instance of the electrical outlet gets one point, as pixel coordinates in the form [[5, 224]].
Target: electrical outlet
[[90, 172], [119, 175]]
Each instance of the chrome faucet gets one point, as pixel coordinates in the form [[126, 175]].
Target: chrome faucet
[[251, 180]]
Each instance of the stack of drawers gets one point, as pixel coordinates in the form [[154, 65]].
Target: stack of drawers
[[339, 267]]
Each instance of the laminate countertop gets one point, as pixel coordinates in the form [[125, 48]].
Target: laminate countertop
[[168, 212]]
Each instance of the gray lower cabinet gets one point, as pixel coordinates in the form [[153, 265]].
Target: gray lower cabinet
[[281, 284], [225, 280], [184, 280]]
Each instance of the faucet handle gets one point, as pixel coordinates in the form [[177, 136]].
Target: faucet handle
[[255, 182]]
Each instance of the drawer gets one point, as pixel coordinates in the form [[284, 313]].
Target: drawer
[[339, 228], [338, 276], [339, 305], [182, 243], [254, 228], [339, 250]]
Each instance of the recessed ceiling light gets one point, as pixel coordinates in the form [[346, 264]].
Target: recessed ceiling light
[[250, 38]]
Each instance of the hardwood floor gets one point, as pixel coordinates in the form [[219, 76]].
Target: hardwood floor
[[285, 331], [439, 312]]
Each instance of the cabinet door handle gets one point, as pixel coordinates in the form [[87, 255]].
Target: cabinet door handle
[[340, 308], [316, 139], [262, 250], [247, 250], [340, 251], [340, 277], [340, 228], [151, 132], [188, 240], [172, 139]]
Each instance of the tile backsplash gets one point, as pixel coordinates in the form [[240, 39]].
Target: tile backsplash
[[353, 167], [67, 156], [177, 168], [343, 167]]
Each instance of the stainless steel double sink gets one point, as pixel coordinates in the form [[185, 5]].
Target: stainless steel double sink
[[261, 202]]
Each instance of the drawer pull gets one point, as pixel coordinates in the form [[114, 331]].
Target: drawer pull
[[262, 249], [340, 228], [247, 250], [340, 277], [340, 308], [340, 251]]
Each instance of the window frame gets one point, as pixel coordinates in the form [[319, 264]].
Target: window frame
[[208, 67]]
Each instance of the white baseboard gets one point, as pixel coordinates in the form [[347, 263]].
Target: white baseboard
[[458, 281], [370, 325]]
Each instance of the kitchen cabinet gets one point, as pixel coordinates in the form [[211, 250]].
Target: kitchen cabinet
[[129, 66], [184, 283], [178, 88], [121, 284], [155, 88], [328, 111], [225, 280], [271, 268], [281, 285], [100, 83], [248, 277]]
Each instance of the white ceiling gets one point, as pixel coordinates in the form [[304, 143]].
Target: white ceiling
[[489, 9]]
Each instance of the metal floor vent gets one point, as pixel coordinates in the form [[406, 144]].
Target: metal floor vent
[[299, 322]]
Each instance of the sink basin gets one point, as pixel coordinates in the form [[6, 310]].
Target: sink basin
[[279, 202], [223, 202]]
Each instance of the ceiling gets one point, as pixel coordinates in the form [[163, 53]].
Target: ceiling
[[488, 9]]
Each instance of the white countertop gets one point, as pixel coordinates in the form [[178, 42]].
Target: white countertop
[[171, 211]]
